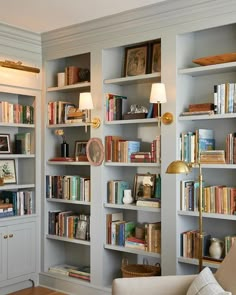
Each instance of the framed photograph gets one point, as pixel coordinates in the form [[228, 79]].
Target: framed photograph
[[95, 151], [8, 171], [136, 60], [144, 185], [156, 57], [80, 151], [5, 144]]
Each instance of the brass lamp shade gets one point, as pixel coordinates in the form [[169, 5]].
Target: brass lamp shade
[[178, 167]]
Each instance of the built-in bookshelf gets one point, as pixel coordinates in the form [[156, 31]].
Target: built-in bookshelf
[[221, 123], [67, 194], [20, 188], [140, 133]]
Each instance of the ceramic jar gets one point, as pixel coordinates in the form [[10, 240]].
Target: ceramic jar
[[216, 248], [127, 199]]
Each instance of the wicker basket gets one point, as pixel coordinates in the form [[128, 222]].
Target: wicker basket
[[140, 270]]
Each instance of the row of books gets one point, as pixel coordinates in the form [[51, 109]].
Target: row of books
[[115, 106], [63, 112], [119, 149], [68, 187], [21, 202], [225, 98], [122, 233], [16, 113], [189, 244], [191, 144], [230, 148], [215, 199], [228, 242], [23, 143], [79, 272], [69, 224]]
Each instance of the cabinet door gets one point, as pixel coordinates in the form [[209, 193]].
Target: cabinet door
[[21, 249], [3, 253]]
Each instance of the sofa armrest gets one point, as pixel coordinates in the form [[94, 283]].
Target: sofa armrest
[[166, 285]]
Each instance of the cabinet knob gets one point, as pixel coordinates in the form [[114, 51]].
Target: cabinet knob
[[11, 236], [5, 237]]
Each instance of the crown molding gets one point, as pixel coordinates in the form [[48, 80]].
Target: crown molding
[[106, 30]]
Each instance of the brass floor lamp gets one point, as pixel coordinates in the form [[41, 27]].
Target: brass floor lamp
[[181, 167]]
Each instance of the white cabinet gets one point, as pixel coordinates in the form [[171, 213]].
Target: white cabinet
[[18, 250]]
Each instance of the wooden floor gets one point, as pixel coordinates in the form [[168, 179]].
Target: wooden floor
[[37, 291]]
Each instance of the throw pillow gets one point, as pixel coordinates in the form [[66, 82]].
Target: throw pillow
[[206, 284]]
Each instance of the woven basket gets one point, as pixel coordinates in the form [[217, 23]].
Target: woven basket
[[140, 270]]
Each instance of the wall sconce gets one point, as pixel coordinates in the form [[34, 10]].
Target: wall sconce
[[18, 66], [86, 104], [158, 95]]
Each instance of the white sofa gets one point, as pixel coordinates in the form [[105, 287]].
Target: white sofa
[[177, 285]]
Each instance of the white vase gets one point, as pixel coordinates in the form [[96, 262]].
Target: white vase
[[127, 199], [216, 248]]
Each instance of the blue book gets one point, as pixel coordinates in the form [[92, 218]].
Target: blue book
[[121, 186], [133, 147], [205, 140]]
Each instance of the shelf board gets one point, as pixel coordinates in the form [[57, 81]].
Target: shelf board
[[64, 239], [211, 69], [16, 186], [67, 125], [17, 125], [70, 87], [208, 215], [208, 117], [130, 250], [68, 163], [134, 121], [68, 201], [148, 78], [16, 156], [156, 165], [217, 166], [132, 207], [194, 261]]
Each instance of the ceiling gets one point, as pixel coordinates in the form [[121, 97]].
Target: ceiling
[[46, 15]]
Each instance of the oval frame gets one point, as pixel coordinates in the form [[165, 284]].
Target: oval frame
[[95, 142]]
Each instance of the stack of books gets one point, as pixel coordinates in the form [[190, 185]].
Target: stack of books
[[79, 272], [6, 210], [149, 202], [212, 157]]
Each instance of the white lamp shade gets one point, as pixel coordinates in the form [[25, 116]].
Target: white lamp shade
[[85, 101], [158, 93]]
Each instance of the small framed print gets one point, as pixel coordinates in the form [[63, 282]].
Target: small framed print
[[144, 185], [5, 144], [156, 57], [95, 151], [80, 151], [8, 171], [136, 60]]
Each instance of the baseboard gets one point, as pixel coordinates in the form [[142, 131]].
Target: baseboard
[[71, 286]]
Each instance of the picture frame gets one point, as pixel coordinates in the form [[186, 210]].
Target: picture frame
[[8, 171], [155, 57], [95, 151], [144, 185], [80, 151], [5, 144], [136, 60]]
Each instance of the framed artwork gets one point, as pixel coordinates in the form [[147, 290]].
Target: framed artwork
[[5, 144], [144, 185], [80, 151], [156, 57], [136, 60], [8, 171], [95, 151]]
